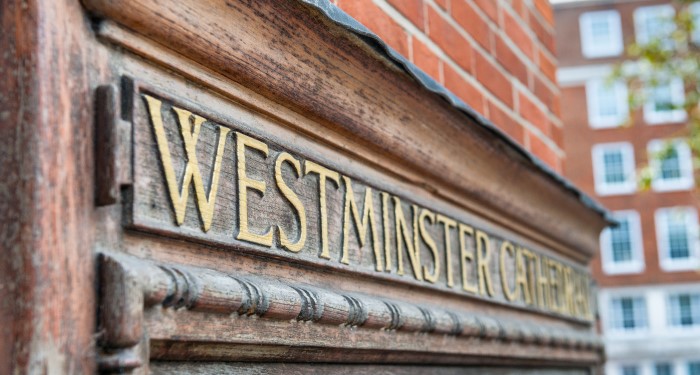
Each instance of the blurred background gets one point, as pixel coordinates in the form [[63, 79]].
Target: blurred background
[[605, 93]]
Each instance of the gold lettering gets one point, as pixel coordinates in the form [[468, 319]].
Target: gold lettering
[[577, 278], [447, 224], [293, 198], [360, 224], [507, 248], [542, 281], [586, 293], [483, 255], [190, 135], [531, 273], [521, 275], [425, 235], [401, 238], [553, 285], [578, 287], [245, 183], [569, 290], [323, 174], [387, 235], [464, 256]]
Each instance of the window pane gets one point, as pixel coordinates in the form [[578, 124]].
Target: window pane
[[662, 98], [656, 24], [663, 369], [607, 101], [695, 13], [600, 33], [694, 368], [678, 238], [621, 243], [670, 164], [684, 309], [600, 30], [630, 370], [614, 167], [628, 313]]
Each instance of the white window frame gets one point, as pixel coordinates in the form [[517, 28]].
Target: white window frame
[[593, 50], [654, 117], [598, 154], [641, 13], [621, 332], [636, 264], [691, 221], [685, 159], [601, 122]]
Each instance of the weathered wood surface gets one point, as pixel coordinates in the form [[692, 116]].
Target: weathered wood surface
[[300, 60], [47, 304]]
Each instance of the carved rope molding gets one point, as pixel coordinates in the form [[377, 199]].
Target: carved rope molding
[[130, 285]]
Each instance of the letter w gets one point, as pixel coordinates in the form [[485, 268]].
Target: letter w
[[190, 124]]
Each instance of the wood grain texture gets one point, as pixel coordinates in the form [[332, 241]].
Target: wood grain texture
[[330, 77], [46, 196]]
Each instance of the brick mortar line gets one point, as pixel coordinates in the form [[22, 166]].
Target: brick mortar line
[[439, 52], [528, 30], [531, 63], [547, 142], [552, 85], [501, 4], [399, 18], [543, 21], [534, 129], [474, 44], [541, 105], [535, 68]]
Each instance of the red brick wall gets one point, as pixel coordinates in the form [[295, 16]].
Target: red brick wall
[[497, 55]]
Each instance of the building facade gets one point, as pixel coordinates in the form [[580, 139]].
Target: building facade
[[647, 270]]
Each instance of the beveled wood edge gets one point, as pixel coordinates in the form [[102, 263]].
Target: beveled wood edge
[[130, 285]]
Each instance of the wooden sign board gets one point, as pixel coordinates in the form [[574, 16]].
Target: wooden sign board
[[217, 179], [272, 192]]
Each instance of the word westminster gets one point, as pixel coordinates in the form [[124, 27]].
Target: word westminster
[[526, 277]]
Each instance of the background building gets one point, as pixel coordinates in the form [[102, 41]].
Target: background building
[[649, 301]]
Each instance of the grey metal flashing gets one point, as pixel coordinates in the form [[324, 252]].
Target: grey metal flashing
[[568, 4], [339, 17]]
